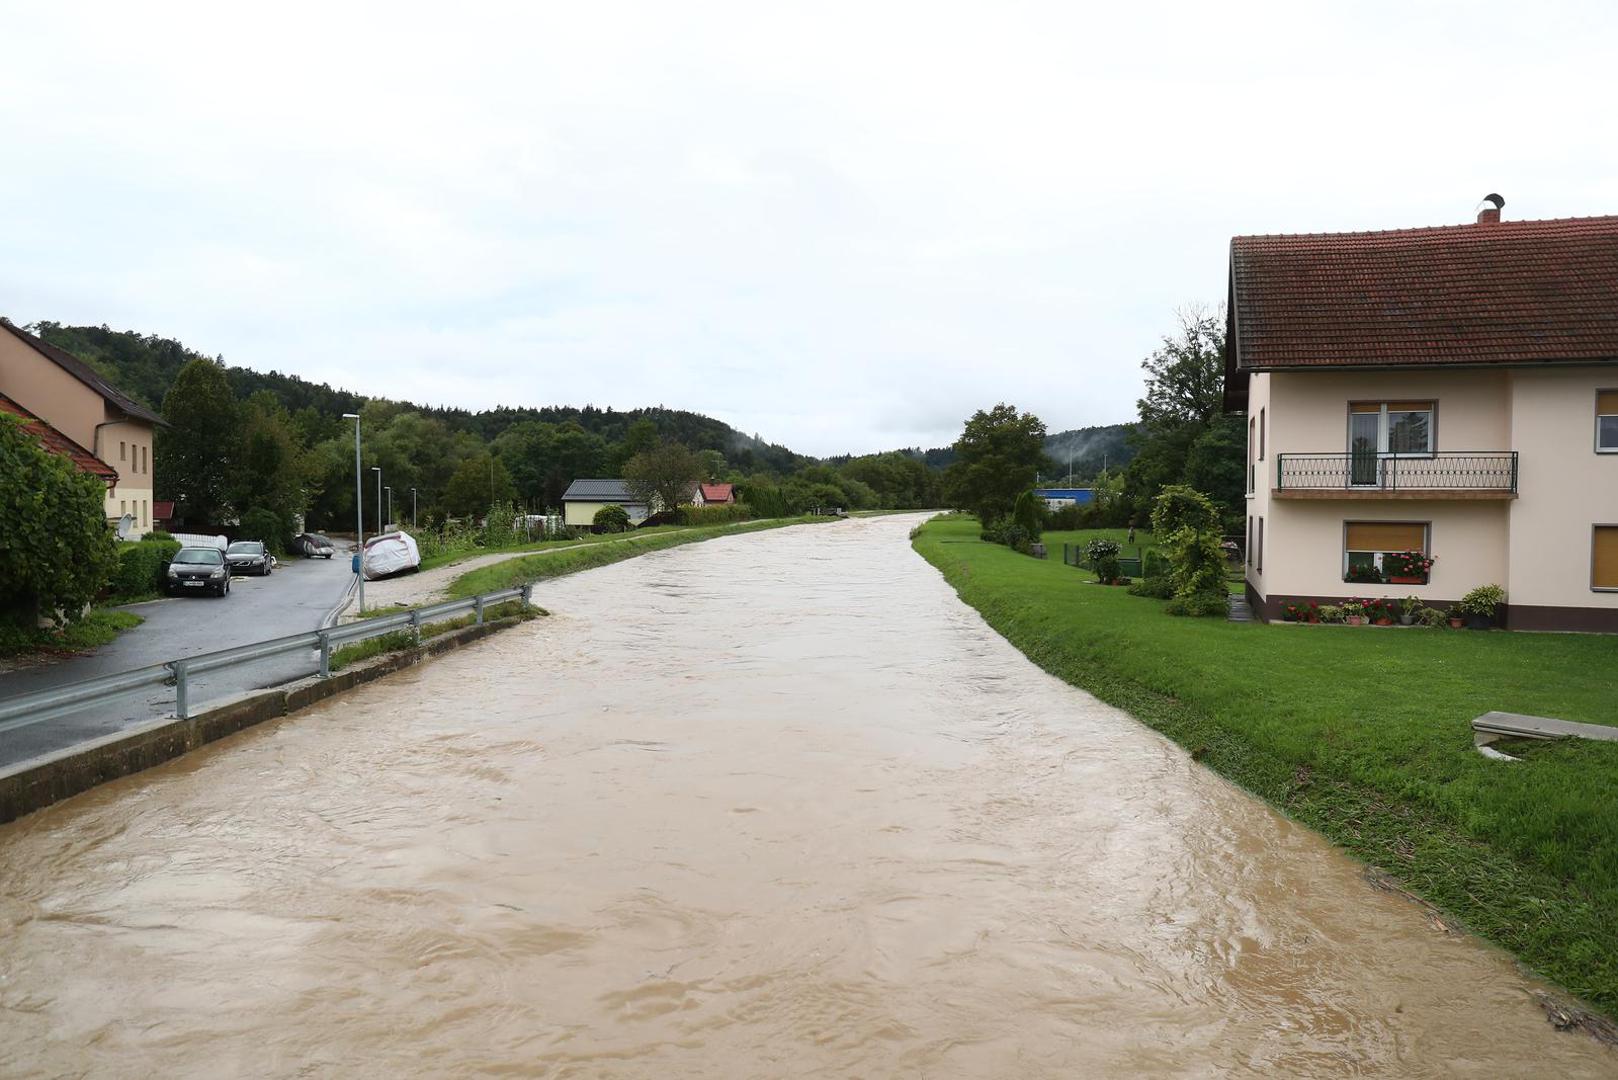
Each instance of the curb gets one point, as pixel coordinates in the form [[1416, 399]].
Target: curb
[[39, 782]]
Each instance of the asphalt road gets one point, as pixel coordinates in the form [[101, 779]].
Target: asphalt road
[[292, 600]]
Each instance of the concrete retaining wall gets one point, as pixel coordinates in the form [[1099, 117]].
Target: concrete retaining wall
[[32, 785]]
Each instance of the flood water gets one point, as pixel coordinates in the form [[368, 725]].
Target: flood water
[[774, 805]]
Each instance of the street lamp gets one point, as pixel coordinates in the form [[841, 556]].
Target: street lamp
[[389, 519], [359, 512], [378, 470], [412, 508]]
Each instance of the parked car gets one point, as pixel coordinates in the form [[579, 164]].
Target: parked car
[[314, 546], [389, 554], [249, 557], [197, 569]]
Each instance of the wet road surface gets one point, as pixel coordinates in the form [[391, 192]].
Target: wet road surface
[[774, 805], [292, 600]]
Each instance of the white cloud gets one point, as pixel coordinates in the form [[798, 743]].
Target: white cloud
[[843, 226]]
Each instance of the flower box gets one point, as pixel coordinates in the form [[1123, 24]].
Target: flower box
[[1406, 579]]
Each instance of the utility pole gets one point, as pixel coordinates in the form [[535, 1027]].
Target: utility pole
[[378, 470], [412, 508], [359, 512], [388, 520]]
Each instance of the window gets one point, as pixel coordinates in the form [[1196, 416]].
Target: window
[[1250, 540], [123, 507], [1390, 427], [1252, 441], [1261, 434], [1607, 421], [145, 513], [1367, 543], [123, 451], [1258, 563], [145, 459], [1604, 558]]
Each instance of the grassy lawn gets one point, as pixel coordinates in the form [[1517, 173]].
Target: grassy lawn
[[542, 565], [1364, 734], [450, 558], [95, 629]]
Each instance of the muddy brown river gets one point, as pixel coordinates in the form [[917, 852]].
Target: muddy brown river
[[774, 805]]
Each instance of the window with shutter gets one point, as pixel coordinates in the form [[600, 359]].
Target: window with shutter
[[1367, 546], [1607, 422], [1604, 558]]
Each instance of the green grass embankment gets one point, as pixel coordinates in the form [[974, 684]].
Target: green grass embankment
[[545, 565], [1364, 734], [96, 629]]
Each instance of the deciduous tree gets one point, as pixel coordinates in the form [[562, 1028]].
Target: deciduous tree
[[997, 457]]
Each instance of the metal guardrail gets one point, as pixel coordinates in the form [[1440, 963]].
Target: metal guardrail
[[47, 704], [1367, 471]]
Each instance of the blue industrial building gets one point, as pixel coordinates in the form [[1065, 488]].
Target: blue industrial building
[[1056, 498]]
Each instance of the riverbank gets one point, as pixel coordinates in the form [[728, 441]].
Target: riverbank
[[550, 564], [1363, 734]]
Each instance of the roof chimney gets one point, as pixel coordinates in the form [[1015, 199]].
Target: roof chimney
[[1490, 215]]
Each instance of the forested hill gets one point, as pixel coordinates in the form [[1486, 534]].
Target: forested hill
[[144, 366], [1088, 449]]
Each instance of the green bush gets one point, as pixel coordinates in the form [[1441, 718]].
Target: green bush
[[1200, 604], [1180, 507], [1028, 514], [56, 552], [1155, 564], [264, 524], [157, 534], [1103, 557], [1158, 587], [718, 514], [1065, 519], [141, 567], [611, 519]]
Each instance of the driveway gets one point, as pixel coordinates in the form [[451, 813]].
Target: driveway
[[293, 600]]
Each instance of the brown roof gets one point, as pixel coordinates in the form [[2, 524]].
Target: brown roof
[[1509, 292], [82, 372], [718, 493], [57, 443]]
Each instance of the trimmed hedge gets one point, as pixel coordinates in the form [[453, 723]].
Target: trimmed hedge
[[141, 566], [716, 514]]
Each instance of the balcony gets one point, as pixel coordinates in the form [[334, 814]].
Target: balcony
[[1489, 475]]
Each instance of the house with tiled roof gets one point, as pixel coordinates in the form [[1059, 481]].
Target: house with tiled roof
[[1448, 391], [76, 400], [584, 497], [714, 494]]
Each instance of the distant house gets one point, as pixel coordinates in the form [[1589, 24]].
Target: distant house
[[59, 444], [584, 497], [71, 397], [1056, 498], [163, 515], [714, 494]]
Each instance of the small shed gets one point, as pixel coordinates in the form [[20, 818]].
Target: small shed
[[584, 497]]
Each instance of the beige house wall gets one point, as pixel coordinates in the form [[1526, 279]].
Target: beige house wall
[[1564, 486], [1305, 552], [581, 515], [50, 393], [127, 447], [1259, 405], [1311, 408]]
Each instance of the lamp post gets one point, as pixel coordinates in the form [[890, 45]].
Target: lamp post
[[389, 519], [412, 508], [359, 512], [378, 470]]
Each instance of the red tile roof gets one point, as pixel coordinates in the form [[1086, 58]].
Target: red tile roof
[[162, 509], [718, 493], [1512, 292], [57, 443]]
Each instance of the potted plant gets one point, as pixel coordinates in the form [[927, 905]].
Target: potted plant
[[1480, 604], [1363, 575], [1354, 612], [1380, 612], [1313, 614], [1292, 613], [1407, 567], [1331, 613], [1409, 607], [1432, 617]]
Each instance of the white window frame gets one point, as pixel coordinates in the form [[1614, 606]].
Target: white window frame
[[1599, 417], [1382, 450]]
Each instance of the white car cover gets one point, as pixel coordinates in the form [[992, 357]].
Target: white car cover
[[389, 554]]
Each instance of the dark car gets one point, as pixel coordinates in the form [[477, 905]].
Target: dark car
[[249, 557], [197, 569], [314, 546]]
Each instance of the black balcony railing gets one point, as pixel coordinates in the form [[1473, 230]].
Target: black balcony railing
[[1494, 471]]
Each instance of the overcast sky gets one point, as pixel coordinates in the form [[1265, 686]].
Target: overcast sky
[[843, 228]]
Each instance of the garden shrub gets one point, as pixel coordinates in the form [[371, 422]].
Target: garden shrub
[[1018, 539], [1103, 557], [141, 566], [994, 532], [1159, 587], [1432, 617], [1028, 514], [1065, 519], [611, 519], [1197, 559], [1154, 564], [266, 525], [1200, 604], [1180, 507]]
